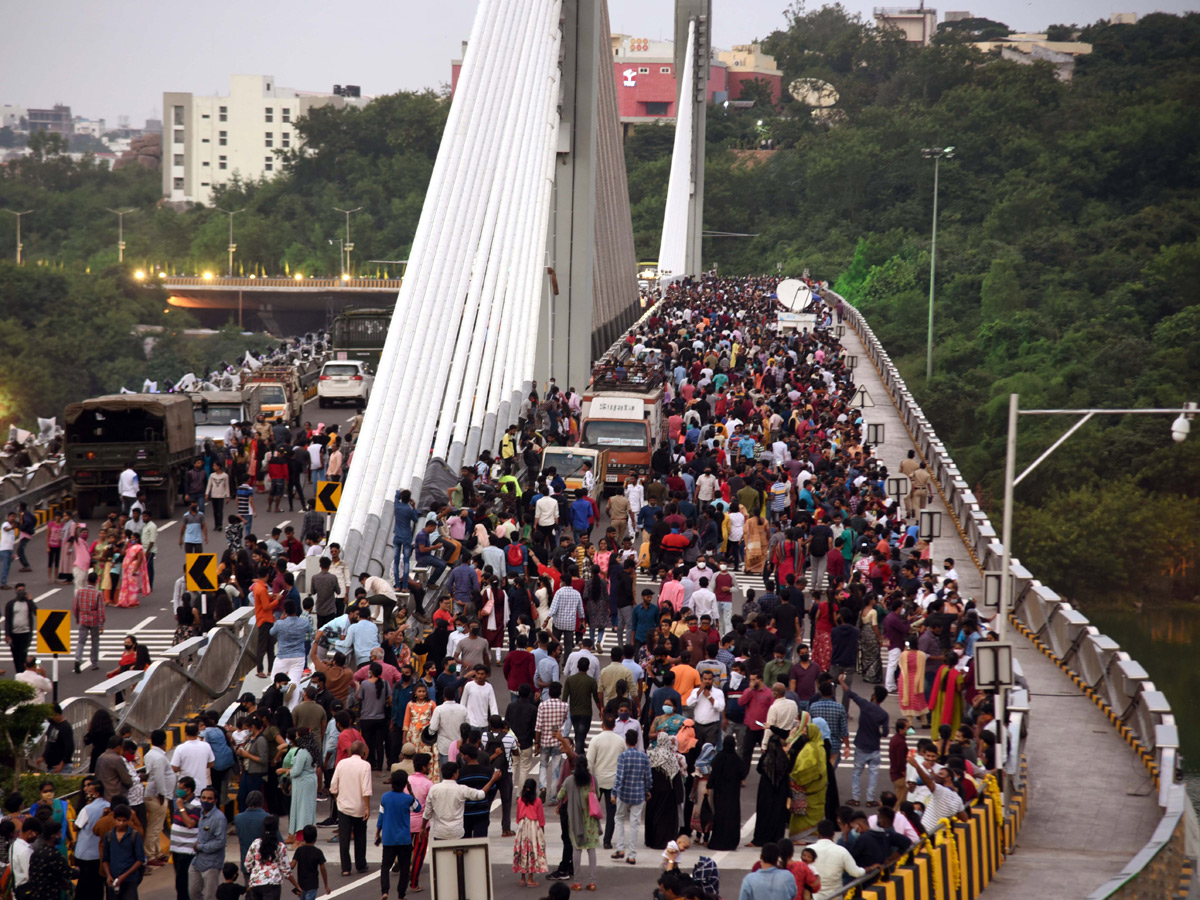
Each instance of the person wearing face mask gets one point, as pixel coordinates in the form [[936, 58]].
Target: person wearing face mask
[[670, 721], [802, 679], [626, 721], [185, 818], [194, 534], [205, 871], [87, 844]]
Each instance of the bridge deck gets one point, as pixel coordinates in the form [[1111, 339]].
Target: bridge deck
[[1091, 802]]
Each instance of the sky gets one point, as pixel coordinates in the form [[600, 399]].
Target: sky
[[117, 58]]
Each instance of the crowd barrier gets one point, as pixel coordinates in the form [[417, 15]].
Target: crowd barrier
[[1094, 662]]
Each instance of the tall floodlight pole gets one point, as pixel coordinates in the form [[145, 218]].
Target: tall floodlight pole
[[120, 214], [232, 245], [937, 154], [20, 246], [347, 246]]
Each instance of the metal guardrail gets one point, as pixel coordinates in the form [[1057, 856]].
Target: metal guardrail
[[265, 283], [196, 673], [1094, 661]]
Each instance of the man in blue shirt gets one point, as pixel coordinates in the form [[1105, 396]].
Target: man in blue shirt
[[404, 520], [393, 830], [291, 632], [582, 515], [361, 638], [426, 543], [222, 753], [630, 791], [205, 871], [769, 882], [87, 845], [463, 581], [645, 619]]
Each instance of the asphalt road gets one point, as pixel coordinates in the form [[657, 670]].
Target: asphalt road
[[152, 622]]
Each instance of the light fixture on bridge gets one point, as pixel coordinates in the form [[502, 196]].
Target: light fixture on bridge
[[162, 274], [851, 362], [345, 276], [839, 330], [931, 524], [299, 277], [208, 276], [991, 589], [993, 666], [875, 435], [139, 275]]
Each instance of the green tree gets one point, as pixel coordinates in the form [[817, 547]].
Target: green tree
[[20, 720]]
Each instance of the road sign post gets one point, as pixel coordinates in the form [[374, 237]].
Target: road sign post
[[201, 572], [329, 495], [54, 638]]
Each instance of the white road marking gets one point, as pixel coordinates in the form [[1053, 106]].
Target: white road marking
[[167, 525], [42, 597], [142, 624]]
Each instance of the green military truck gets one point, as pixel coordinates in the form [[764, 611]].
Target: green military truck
[[154, 433]]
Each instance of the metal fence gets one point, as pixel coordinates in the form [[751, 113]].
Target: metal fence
[[1094, 661]]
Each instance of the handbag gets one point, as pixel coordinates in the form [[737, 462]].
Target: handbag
[[594, 806]]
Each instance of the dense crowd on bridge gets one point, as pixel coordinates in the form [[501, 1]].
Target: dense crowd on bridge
[[716, 630]]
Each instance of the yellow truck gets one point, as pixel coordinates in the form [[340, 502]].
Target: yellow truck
[[279, 393]]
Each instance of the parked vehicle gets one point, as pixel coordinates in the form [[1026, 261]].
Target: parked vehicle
[[568, 462], [622, 413], [214, 411], [341, 381], [280, 393], [154, 433]]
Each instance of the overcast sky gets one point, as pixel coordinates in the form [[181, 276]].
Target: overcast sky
[[117, 58]]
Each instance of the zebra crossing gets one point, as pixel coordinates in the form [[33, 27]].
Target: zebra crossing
[[112, 643]]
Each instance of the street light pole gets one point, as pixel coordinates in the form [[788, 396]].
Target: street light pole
[[20, 246], [347, 246], [120, 214], [936, 154], [232, 245]]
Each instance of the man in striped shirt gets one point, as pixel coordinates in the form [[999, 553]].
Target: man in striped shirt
[[565, 610], [834, 715], [89, 616], [552, 713], [630, 791]]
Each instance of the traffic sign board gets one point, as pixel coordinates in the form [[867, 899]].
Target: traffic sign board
[[201, 571], [329, 495], [862, 399], [54, 631], [898, 486]]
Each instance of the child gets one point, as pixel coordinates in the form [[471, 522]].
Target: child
[[241, 734], [231, 888], [309, 862], [812, 884], [529, 849], [310, 616], [674, 848]]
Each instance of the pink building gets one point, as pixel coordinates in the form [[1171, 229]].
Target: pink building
[[644, 71]]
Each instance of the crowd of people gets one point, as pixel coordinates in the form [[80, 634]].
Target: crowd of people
[[761, 471]]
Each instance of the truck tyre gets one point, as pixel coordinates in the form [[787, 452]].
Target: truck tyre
[[84, 504], [322, 402], [164, 502]]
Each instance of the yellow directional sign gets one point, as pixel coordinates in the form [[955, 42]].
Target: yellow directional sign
[[53, 631], [201, 571], [329, 495]]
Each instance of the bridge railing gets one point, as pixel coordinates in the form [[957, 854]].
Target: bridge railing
[[223, 282], [1095, 662]]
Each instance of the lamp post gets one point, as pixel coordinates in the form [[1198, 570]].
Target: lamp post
[[120, 214], [937, 154], [1179, 432], [347, 246], [232, 245], [20, 246]]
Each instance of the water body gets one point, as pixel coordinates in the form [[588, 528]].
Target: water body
[[1162, 641]]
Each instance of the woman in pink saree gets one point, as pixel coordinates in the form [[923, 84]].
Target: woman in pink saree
[[81, 556], [135, 579]]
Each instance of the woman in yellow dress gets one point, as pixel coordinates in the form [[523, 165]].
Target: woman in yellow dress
[[416, 716], [756, 537]]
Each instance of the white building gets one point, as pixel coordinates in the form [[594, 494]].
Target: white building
[[209, 140], [95, 127], [14, 117]]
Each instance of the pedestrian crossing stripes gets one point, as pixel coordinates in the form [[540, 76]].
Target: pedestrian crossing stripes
[[112, 643]]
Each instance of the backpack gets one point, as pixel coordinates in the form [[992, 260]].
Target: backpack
[[514, 554]]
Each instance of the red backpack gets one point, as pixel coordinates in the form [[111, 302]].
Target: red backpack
[[514, 554]]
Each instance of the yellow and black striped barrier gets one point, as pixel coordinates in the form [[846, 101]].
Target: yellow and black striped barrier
[[960, 859]]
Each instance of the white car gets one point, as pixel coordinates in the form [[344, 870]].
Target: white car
[[344, 380]]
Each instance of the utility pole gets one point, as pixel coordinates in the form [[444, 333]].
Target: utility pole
[[20, 246], [347, 246], [936, 154], [232, 245], [120, 214]]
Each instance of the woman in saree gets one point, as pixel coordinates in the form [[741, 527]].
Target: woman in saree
[[416, 716], [870, 666], [911, 682], [65, 558], [135, 578], [756, 535], [809, 779], [102, 560], [945, 699]]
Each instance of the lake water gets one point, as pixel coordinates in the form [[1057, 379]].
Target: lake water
[[1163, 641]]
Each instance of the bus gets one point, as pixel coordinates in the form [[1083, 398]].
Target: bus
[[360, 333]]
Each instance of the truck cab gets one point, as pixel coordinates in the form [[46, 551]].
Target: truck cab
[[214, 411], [280, 393], [622, 413]]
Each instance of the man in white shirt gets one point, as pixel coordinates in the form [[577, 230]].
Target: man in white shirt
[[704, 601], [944, 802], [446, 721], [584, 652], [446, 801], [782, 712], [22, 850], [833, 861], [479, 698], [706, 487], [602, 754], [160, 791], [127, 487], [35, 676], [193, 757], [708, 703]]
